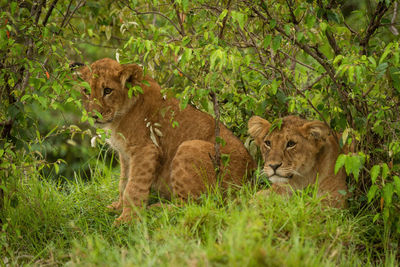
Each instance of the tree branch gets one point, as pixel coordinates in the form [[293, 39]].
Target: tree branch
[[217, 158], [294, 19], [46, 18], [159, 14], [180, 18], [221, 32], [374, 24], [39, 11], [392, 28]]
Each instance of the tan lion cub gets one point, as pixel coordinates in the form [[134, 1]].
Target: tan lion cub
[[297, 154], [172, 160]]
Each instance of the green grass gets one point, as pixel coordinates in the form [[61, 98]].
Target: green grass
[[67, 223]]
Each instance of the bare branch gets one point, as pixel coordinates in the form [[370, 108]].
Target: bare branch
[[392, 28], [180, 17]]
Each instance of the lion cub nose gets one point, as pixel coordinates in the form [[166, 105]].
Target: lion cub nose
[[275, 166]]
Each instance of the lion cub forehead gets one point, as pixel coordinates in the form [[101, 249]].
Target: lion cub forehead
[[293, 121], [290, 127], [105, 71], [105, 67], [106, 63]]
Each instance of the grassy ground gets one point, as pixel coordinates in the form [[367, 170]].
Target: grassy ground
[[46, 223]]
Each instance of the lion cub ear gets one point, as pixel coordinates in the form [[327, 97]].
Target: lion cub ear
[[315, 129], [258, 128], [132, 73], [79, 70]]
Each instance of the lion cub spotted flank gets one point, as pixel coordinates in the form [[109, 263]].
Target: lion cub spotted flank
[[172, 160], [297, 154]]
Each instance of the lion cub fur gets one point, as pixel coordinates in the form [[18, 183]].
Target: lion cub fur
[[173, 160], [298, 154]]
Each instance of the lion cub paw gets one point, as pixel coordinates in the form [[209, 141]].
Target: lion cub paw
[[115, 206], [126, 217], [263, 193]]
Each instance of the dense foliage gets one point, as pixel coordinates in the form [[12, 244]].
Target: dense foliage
[[337, 61]]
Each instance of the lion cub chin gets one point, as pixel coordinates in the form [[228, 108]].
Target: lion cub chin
[[298, 154], [160, 146]]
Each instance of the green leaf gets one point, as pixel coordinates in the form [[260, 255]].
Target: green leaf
[[323, 26], [13, 7], [375, 170], [287, 29], [310, 21], [240, 18], [185, 5], [385, 171], [108, 32], [223, 14], [276, 42], [382, 67], [300, 36], [388, 190], [396, 181], [276, 124], [267, 41], [220, 140], [395, 75], [386, 52], [340, 162], [56, 168], [353, 164], [372, 193], [376, 217], [333, 16], [274, 87], [272, 23]]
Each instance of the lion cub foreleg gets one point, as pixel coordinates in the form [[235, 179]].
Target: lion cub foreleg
[[123, 180], [142, 166]]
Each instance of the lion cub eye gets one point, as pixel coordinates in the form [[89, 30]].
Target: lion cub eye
[[290, 144], [267, 143], [107, 91]]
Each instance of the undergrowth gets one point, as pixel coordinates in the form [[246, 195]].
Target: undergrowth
[[67, 223]]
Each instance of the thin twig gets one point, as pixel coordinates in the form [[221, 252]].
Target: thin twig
[[308, 86], [217, 158], [297, 61], [155, 13], [221, 32], [180, 18]]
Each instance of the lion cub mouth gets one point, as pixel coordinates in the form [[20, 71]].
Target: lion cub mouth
[[275, 179]]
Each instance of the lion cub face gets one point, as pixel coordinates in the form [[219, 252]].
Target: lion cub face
[[292, 151], [108, 98]]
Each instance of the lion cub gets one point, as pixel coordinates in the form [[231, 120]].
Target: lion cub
[[159, 145], [298, 154]]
